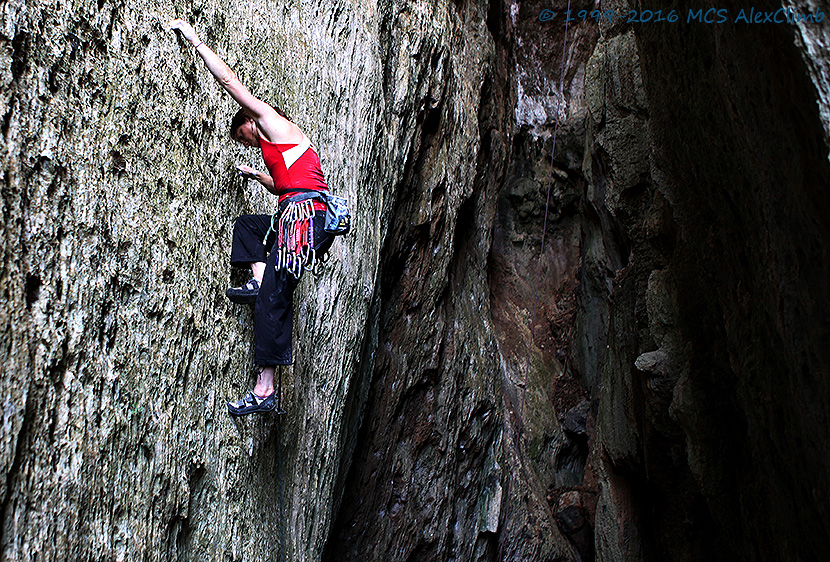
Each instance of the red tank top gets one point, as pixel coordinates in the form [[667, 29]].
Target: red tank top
[[294, 166]]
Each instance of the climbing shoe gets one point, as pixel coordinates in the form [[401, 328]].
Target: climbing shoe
[[253, 404], [246, 294]]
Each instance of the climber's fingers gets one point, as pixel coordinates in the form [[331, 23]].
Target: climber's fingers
[[186, 30], [246, 171]]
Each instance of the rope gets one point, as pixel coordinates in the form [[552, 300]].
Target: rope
[[544, 231], [279, 465], [520, 425]]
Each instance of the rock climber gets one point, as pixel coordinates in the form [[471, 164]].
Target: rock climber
[[294, 168]]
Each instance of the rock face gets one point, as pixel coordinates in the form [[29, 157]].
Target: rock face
[[706, 144], [119, 347], [659, 395]]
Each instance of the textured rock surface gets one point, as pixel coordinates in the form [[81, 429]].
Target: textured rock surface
[[813, 40], [458, 461], [669, 406], [121, 350], [706, 145], [119, 347]]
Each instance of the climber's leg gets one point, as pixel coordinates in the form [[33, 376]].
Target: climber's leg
[[257, 269], [248, 250], [265, 382], [273, 324], [264, 397], [274, 316], [274, 308]]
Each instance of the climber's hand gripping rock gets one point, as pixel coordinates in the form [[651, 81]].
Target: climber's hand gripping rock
[[186, 30]]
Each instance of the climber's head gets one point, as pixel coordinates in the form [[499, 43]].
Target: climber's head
[[244, 128]]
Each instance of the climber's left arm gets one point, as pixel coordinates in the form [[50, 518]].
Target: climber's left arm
[[264, 179]]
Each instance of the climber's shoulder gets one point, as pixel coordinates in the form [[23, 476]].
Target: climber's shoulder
[[274, 126], [277, 128]]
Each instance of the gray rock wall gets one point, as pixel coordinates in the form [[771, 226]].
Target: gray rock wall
[[667, 405], [119, 347], [462, 455], [707, 146]]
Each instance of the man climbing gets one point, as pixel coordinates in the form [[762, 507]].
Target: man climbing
[[295, 243]]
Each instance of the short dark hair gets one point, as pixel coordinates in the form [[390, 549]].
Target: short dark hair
[[237, 121], [241, 116]]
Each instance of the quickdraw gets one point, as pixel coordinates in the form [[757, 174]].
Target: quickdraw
[[295, 237]]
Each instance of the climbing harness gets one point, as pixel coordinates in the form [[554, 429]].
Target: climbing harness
[[294, 225], [338, 216]]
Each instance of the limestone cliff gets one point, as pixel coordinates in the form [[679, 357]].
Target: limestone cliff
[[119, 347], [669, 403], [706, 144]]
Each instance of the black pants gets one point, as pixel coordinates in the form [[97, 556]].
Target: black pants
[[274, 308]]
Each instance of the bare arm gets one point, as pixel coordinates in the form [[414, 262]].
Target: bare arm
[[274, 126], [264, 179]]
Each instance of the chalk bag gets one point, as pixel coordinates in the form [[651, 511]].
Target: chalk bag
[[338, 216]]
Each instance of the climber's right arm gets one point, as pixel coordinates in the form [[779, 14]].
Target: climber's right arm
[[275, 127]]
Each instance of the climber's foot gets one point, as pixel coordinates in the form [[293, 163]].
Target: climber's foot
[[252, 404], [246, 294]]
